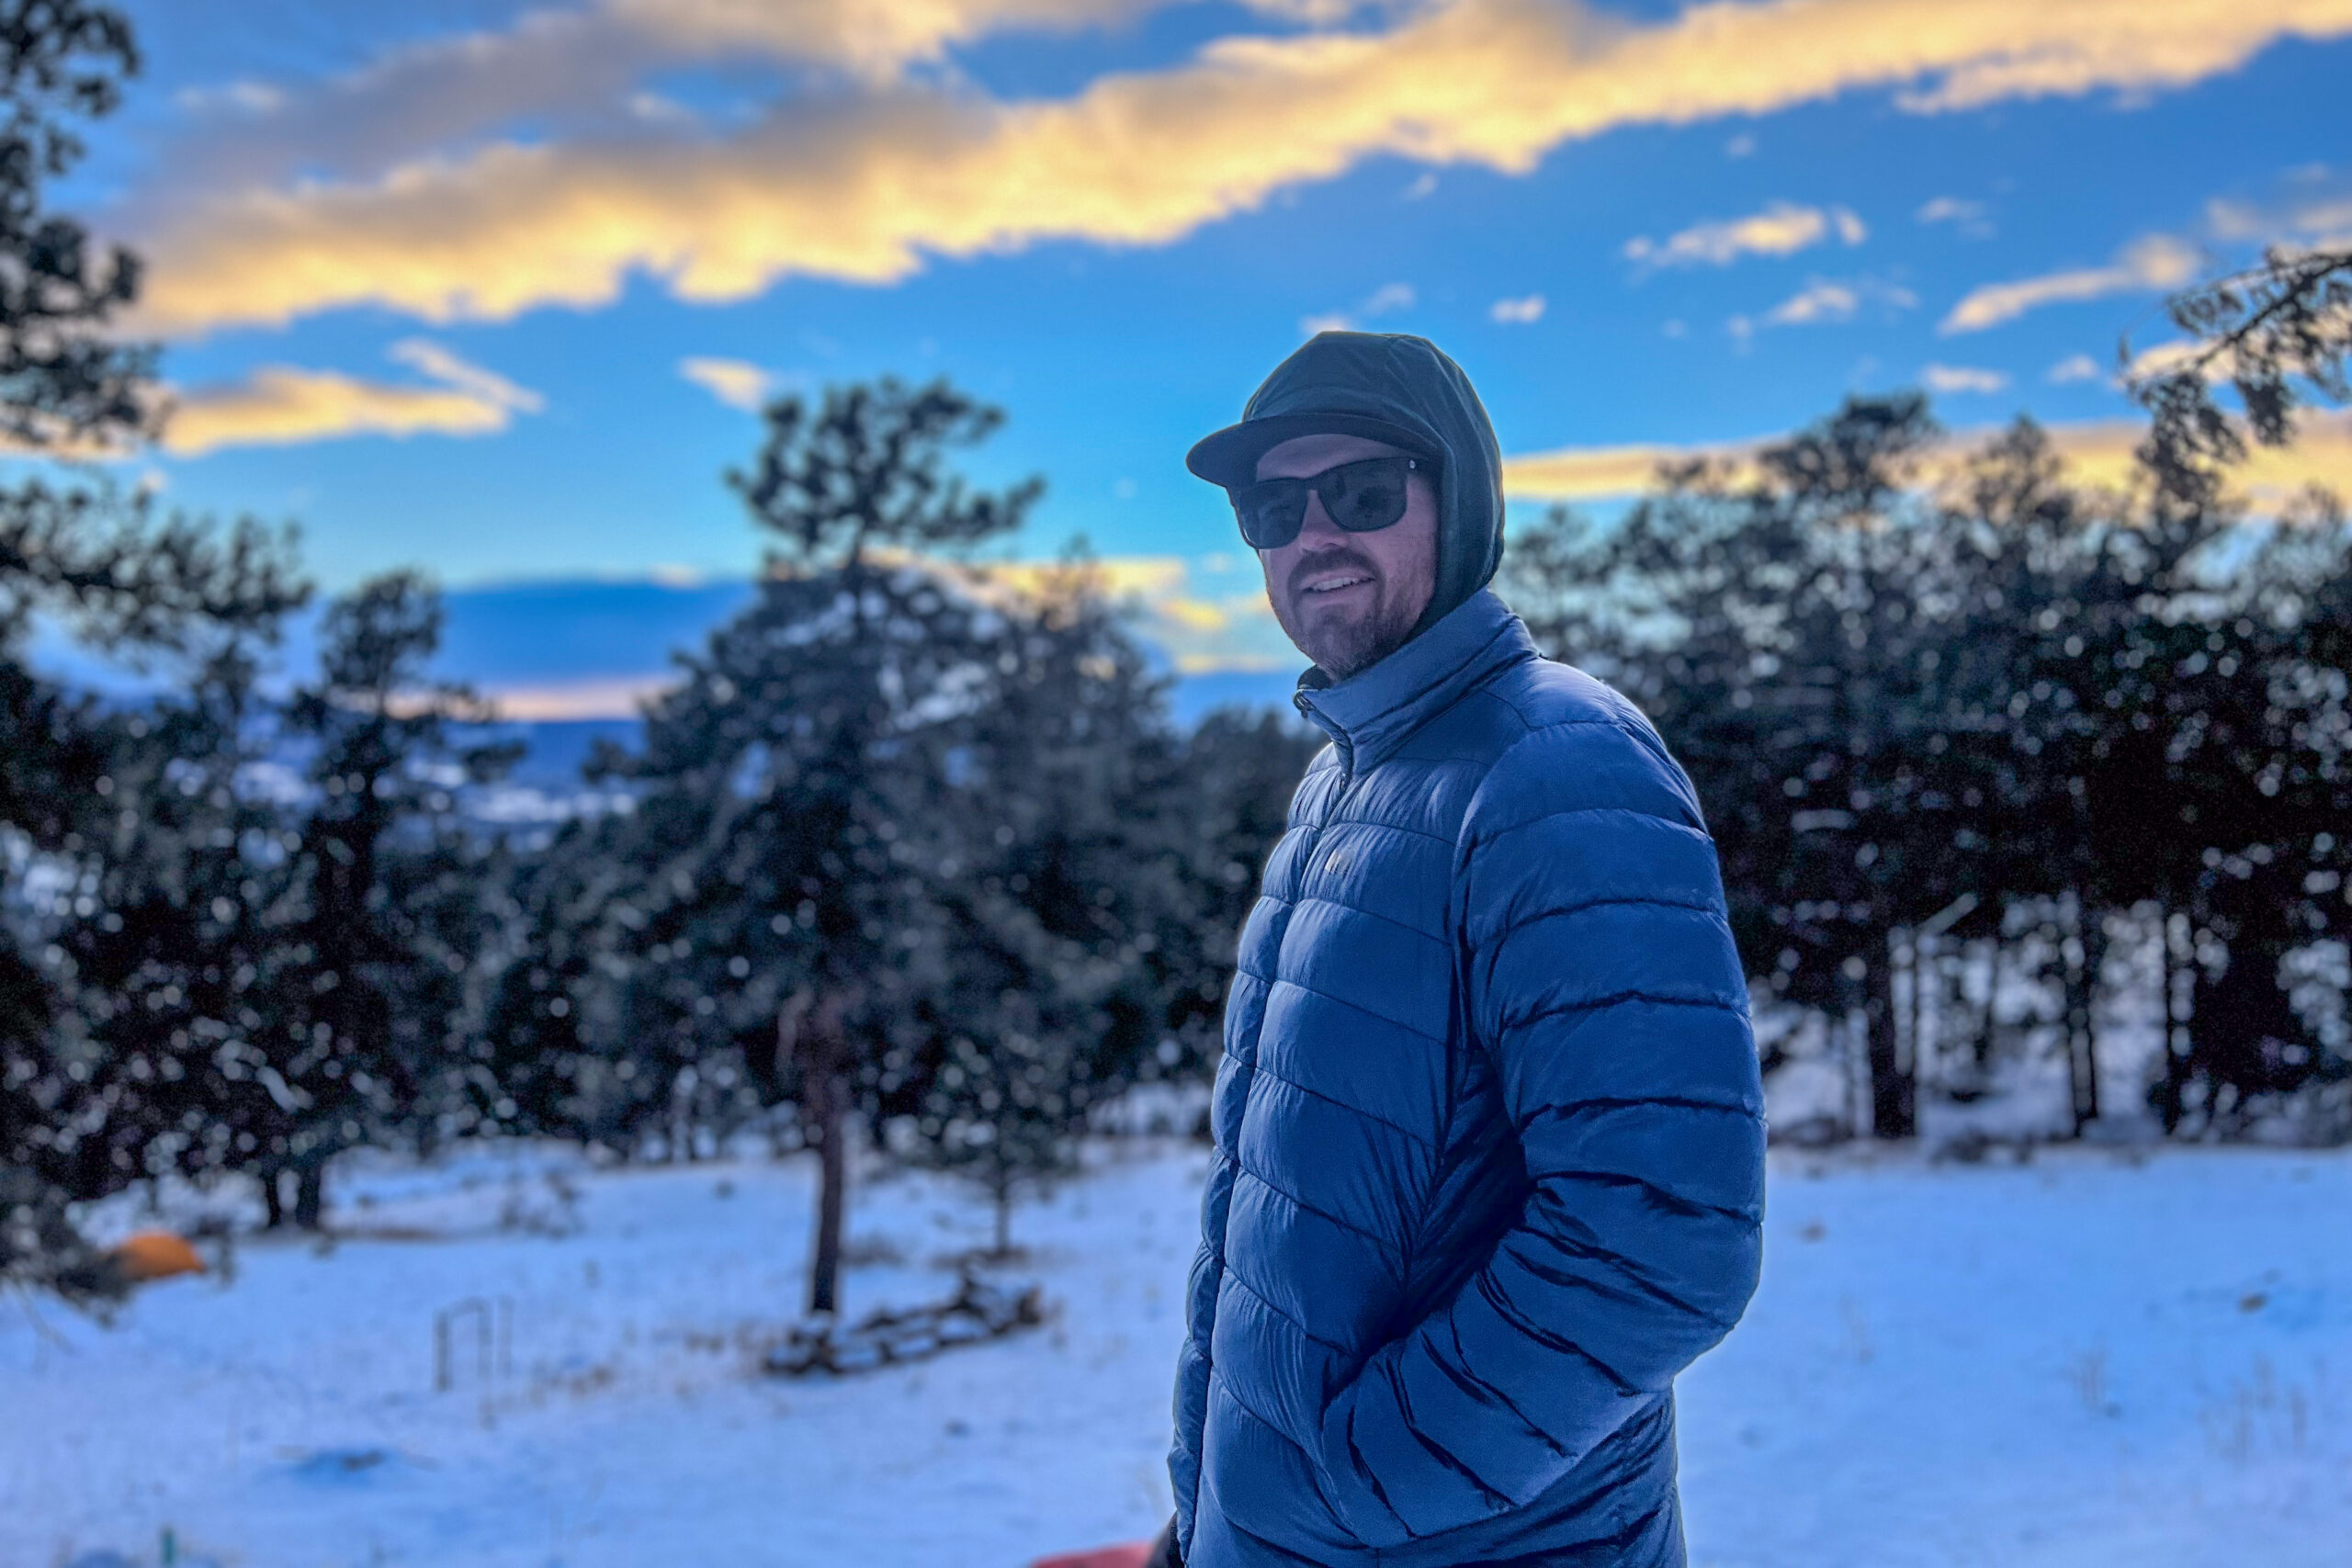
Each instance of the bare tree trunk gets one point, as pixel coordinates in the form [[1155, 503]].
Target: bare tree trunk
[[2095, 940], [809, 1035], [1893, 1089], [824, 1097], [2169, 1088], [2084, 951], [1917, 965], [1987, 1043], [309, 1196], [273, 1197]]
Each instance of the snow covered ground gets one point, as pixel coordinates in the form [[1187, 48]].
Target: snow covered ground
[[2090, 1359]]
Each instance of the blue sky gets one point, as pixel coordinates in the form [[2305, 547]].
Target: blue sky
[[470, 286]]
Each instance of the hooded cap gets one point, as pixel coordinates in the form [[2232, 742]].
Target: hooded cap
[[1391, 388]]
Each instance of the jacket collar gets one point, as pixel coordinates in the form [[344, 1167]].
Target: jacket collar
[[1372, 713]]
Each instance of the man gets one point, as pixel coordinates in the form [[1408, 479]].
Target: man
[[1489, 1140]]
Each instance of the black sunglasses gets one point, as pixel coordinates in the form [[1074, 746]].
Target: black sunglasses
[[1361, 497]]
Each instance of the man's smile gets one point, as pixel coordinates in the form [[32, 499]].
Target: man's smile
[[1332, 581]]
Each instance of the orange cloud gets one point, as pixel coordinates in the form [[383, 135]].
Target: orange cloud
[[581, 65], [865, 187], [1207, 616], [602, 697], [283, 405], [1603, 473], [2099, 452]]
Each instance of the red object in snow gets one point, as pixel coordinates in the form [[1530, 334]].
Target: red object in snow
[[1135, 1555]]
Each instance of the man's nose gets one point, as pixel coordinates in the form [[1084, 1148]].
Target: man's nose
[[1317, 530]]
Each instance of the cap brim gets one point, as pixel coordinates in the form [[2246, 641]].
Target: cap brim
[[1229, 456]]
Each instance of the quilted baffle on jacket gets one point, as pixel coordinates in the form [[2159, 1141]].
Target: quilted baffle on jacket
[[1489, 1149]]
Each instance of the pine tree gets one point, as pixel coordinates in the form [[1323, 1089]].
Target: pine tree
[[1058, 879], [184, 929], [2278, 334], [1230, 802], [785, 786], [1768, 625], [1989, 703], [385, 902], [542, 1063], [103, 565]]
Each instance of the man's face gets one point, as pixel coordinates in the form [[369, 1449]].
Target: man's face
[[1349, 600]]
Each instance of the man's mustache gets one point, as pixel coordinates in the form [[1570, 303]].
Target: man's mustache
[[1328, 560]]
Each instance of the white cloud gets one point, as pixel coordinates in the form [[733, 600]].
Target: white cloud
[[1388, 299], [867, 186], [2321, 222], [1970, 220], [238, 97], [282, 405], [1949, 209], [1945, 379], [654, 109], [435, 363], [2074, 367], [1782, 228], [1826, 300], [738, 383], [2166, 358], [2157, 262], [1816, 302], [1518, 311]]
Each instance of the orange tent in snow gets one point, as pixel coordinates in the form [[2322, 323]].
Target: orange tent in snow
[[153, 1254]]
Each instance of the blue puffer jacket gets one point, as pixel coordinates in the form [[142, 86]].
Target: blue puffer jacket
[[1489, 1144]]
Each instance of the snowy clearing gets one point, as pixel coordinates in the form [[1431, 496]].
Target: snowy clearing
[[2094, 1357]]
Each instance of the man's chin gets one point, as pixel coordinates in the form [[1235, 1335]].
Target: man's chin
[[1342, 647]]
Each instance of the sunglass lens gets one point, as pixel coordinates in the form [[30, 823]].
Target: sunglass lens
[[1271, 513], [1362, 497]]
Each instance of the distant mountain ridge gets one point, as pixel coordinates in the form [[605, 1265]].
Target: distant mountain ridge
[[531, 643], [570, 658]]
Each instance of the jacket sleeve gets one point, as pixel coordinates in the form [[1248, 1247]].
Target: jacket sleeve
[[1601, 974]]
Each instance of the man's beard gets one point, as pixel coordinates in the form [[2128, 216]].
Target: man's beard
[[1343, 645]]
